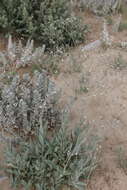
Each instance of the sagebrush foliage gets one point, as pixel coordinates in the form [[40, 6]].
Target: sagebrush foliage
[[47, 21], [49, 162], [24, 101]]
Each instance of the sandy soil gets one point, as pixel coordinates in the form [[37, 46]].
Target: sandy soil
[[104, 106]]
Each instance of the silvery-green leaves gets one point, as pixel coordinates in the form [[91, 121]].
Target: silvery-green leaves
[[25, 100], [18, 56], [49, 162]]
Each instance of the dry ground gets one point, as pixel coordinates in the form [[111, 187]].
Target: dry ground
[[104, 106]]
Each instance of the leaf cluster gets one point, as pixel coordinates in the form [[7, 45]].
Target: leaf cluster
[[25, 100], [44, 20], [50, 161]]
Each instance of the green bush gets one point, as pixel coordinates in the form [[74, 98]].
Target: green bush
[[47, 21], [122, 158], [123, 26], [51, 161], [120, 63]]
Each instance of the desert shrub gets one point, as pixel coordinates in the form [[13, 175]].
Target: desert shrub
[[123, 8], [49, 162], [123, 45], [122, 158], [100, 7], [47, 21], [23, 101], [83, 84], [123, 26], [109, 20], [120, 63], [18, 55]]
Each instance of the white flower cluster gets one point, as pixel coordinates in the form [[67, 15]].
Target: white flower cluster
[[105, 37], [18, 55], [27, 101], [123, 44]]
